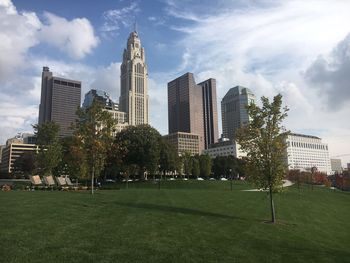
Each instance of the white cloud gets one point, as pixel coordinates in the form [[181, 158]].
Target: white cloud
[[15, 117], [330, 75], [75, 37], [17, 35], [20, 31], [8, 6], [157, 21], [108, 79], [115, 18]]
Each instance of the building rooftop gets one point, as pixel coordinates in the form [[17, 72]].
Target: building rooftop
[[238, 90], [305, 136]]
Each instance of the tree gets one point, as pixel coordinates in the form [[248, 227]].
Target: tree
[[195, 166], [227, 166], [179, 165], [218, 168], [168, 157], [205, 165], [187, 163], [139, 146], [264, 142], [25, 164], [74, 161], [49, 155], [93, 134]]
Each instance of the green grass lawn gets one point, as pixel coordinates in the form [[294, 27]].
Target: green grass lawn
[[189, 221]]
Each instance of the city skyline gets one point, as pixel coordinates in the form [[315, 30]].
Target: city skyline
[[237, 44]]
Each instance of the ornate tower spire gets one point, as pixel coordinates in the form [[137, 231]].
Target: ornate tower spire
[[133, 81]]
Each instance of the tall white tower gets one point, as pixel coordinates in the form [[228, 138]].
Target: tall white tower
[[133, 82]]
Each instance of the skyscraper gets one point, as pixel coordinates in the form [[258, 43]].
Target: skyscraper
[[192, 108], [210, 113], [102, 97], [59, 101], [133, 82], [233, 110]]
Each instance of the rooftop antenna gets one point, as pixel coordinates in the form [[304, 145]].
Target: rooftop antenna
[[135, 26]]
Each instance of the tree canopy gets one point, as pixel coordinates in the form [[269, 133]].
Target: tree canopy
[[93, 137], [50, 150], [138, 147], [168, 159]]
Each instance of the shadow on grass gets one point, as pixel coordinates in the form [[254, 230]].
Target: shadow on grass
[[179, 210]]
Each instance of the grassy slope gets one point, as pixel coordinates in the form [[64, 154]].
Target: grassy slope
[[188, 222]]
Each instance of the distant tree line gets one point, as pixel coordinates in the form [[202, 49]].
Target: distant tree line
[[340, 181], [92, 152]]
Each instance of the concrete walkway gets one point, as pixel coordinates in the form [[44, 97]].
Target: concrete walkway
[[286, 183]]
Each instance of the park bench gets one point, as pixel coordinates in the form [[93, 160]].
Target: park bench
[[35, 181], [61, 182], [70, 184], [49, 181]]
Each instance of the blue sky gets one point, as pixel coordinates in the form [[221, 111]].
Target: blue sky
[[300, 49]]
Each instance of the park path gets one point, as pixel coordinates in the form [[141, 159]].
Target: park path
[[286, 183]]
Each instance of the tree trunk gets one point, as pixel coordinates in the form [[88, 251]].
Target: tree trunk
[[127, 181], [273, 217], [92, 179]]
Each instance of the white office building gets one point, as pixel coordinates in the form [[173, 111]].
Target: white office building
[[225, 147], [304, 152], [336, 166]]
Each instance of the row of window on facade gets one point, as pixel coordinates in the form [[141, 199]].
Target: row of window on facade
[[65, 83], [308, 145]]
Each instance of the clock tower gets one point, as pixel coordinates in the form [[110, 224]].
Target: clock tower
[[134, 82]]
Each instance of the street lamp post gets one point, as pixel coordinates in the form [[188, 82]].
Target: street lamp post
[[231, 178]]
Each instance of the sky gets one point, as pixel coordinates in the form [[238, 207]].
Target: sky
[[298, 48]]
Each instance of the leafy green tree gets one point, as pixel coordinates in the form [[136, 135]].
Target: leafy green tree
[[232, 166], [217, 167], [74, 161], [24, 165], [50, 149], [187, 163], [93, 134], [195, 166], [226, 166], [168, 157], [179, 165], [139, 146], [114, 166], [264, 142], [205, 165]]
